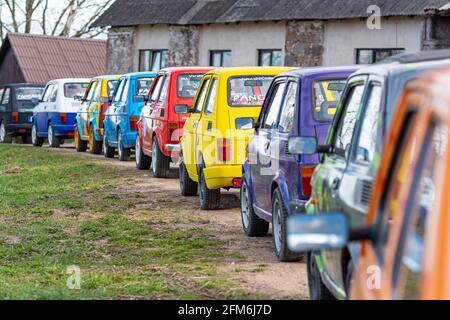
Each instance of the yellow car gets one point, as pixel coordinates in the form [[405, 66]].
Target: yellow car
[[215, 137], [89, 124]]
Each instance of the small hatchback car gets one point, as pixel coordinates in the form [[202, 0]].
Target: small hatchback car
[[16, 110], [163, 117], [276, 182], [91, 114], [219, 128], [54, 116], [120, 125], [405, 247]]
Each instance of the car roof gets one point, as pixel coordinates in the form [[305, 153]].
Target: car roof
[[15, 85], [68, 80], [187, 69], [237, 71], [107, 77], [140, 74], [300, 72]]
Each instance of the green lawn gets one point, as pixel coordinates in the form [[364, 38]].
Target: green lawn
[[58, 211]]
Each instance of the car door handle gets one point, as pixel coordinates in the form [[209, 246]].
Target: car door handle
[[335, 187], [267, 146]]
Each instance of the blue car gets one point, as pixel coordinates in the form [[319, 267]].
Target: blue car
[[55, 113], [276, 182], [120, 124]]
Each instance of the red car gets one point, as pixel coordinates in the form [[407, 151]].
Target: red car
[[162, 118]]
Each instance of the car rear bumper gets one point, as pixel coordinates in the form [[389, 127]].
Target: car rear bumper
[[18, 128], [65, 130], [222, 176]]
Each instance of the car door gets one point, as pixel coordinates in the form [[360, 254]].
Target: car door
[[111, 115], [160, 115], [332, 169], [82, 115], [121, 108], [190, 129], [42, 109], [262, 169], [52, 104], [2, 106], [148, 115]]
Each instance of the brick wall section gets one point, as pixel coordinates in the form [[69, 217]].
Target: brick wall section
[[436, 33], [184, 46], [119, 51], [304, 43]]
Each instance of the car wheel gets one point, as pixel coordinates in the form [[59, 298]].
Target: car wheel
[[160, 163], [35, 139], [53, 140], [349, 278], [124, 153], [188, 187], [26, 139], [4, 137], [279, 224], [94, 146], [209, 199], [80, 144], [253, 225], [143, 161], [317, 289], [108, 151]]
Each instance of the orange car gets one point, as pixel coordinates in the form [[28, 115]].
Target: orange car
[[405, 248]]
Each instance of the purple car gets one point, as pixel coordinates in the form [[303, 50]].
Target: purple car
[[275, 182]]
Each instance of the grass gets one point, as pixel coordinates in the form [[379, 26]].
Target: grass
[[58, 211]]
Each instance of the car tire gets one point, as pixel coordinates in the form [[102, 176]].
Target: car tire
[[188, 187], [253, 225], [279, 225], [4, 137], [108, 151], [80, 144], [124, 153], [26, 139], [160, 163], [209, 199], [36, 141], [53, 140], [143, 161], [348, 278], [95, 146], [317, 289]]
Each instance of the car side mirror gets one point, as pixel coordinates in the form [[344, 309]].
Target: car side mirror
[[104, 100], [244, 123], [362, 154], [35, 101], [328, 110], [317, 232], [181, 109], [138, 99], [77, 98], [191, 110], [302, 145], [256, 125]]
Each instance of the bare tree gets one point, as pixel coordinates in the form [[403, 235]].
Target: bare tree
[[51, 17]]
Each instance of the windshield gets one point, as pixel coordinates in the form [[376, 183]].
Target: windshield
[[143, 86], [72, 90], [187, 84], [28, 93], [327, 94], [248, 91]]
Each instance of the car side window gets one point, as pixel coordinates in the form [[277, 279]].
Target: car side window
[[202, 96], [164, 90], [370, 131], [54, 94], [118, 93], [212, 96], [346, 127], [410, 254], [156, 89], [90, 93], [1, 94], [6, 96], [124, 94], [288, 111], [47, 93], [98, 91], [273, 109]]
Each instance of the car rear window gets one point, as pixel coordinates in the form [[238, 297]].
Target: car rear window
[[187, 84], [326, 95], [111, 86], [143, 86], [72, 90], [248, 91], [28, 93]]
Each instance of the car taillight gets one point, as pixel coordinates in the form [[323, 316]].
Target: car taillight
[[63, 118], [307, 173], [133, 123], [237, 182], [15, 117], [103, 108], [223, 149]]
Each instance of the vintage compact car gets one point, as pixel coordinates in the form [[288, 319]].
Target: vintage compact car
[[217, 132], [276, 182], [121, 118], [16, 110], [163, 117], [90, 116], [405, 249], [343, 181], [55, 113]]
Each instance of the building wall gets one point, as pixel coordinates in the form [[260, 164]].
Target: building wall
[[184, 45], [150, 37], [304, 43], [342, 38], [10, 71], [119, 50], [436, 33], [243, 39]]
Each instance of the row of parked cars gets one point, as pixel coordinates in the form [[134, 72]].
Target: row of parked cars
[[304, 146]]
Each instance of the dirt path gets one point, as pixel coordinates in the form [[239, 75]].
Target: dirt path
[[251, 262]]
